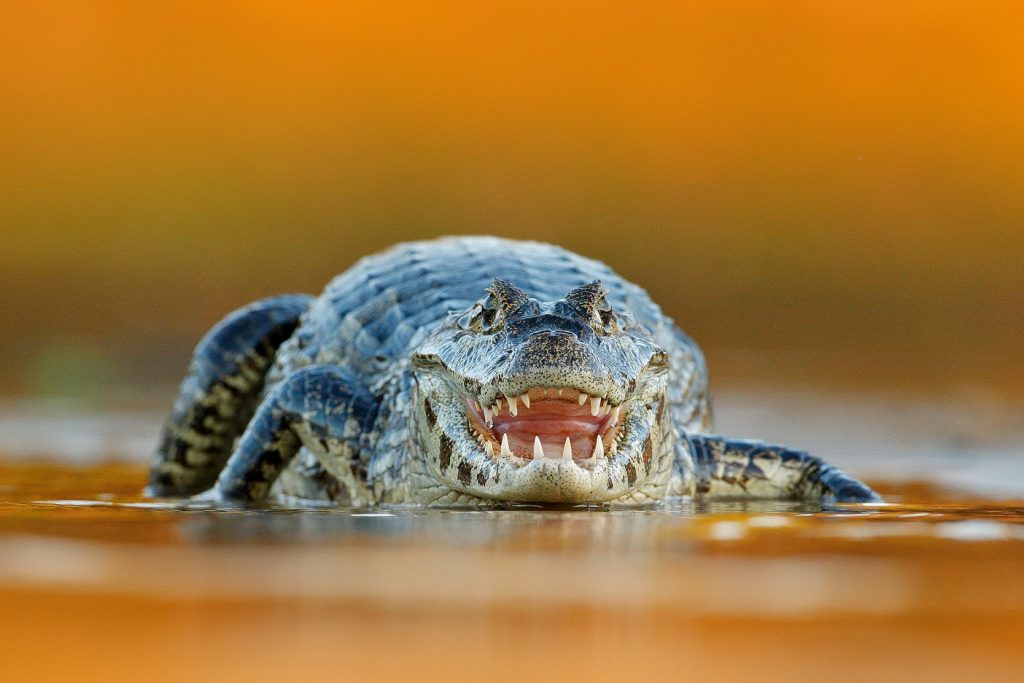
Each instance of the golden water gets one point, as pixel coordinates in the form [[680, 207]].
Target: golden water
[[99, 583]]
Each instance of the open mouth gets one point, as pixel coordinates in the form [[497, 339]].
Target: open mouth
[[546, 422]]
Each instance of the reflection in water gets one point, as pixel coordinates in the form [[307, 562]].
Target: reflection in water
[[713, 558], [924, 587], [115, 512], [462, 526], [797, 580]]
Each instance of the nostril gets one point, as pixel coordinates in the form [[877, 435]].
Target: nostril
[[553, 334], [557, 338]]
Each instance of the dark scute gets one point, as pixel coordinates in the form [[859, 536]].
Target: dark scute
[[465, 472], [429, 410], [630, 473], [446, 451], [198, 422], [273, 457], [178, 451]]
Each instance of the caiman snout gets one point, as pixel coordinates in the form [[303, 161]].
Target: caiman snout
[[557, 351]]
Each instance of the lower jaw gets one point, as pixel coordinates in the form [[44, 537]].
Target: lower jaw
[[572, 482], [563, 482], [558, 481]]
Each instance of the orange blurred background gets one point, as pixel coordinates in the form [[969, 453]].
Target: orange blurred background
[[818, 192]]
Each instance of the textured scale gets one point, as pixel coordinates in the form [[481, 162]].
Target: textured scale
[[375, 312]]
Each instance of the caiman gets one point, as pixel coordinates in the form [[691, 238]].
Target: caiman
[[465, 371]]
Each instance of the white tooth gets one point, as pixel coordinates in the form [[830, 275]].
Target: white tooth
[[606, 408], [582, 398], [517, 461], [506, 452], [559, 392], [598, 449], [538, 449], [567, 450], [615, 414], [489, 447], [595, 405], [488, 417], [513, 405], [497, 406], [525, 398], [614, 448]]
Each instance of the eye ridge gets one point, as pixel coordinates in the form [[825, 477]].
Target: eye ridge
[[591, 300], [488, 316]]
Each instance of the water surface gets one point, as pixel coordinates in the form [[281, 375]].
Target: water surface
[[98, 582]]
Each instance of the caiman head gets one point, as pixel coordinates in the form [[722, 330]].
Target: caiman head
[[530, 401]]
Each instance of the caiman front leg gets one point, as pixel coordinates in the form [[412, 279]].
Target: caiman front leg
[[735, 467], [324, 408]]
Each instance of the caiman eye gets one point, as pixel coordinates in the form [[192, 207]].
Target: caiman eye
[[482, 318], [591, 300], [604, 319], [489, 315]]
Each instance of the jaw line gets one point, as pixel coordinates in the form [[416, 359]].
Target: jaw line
[[554, 480], [549, 419], [511, 482]]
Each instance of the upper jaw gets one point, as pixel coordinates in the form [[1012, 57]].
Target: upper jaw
[[504, 389], [598, 405]]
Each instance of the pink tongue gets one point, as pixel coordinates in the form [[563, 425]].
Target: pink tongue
[[543, 428], [552, 421]]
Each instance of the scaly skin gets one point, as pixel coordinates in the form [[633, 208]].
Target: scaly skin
[[383, 393]]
